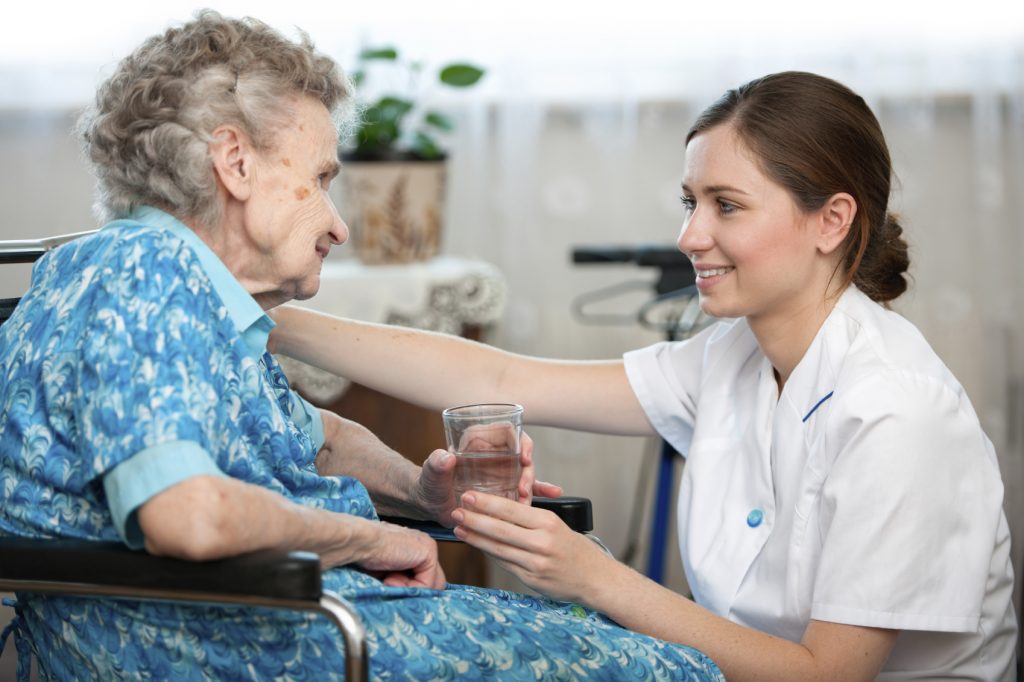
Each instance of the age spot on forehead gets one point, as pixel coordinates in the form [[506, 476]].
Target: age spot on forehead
[[286, 162], [301, 193]]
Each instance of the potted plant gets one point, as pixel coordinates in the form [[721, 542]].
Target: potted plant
[[393, 181]]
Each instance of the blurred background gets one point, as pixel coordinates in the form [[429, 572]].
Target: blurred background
[[575, 137]]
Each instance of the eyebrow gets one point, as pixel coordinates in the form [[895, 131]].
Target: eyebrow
[[716, 189]]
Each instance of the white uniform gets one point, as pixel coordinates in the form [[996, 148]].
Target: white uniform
[[866, 494]]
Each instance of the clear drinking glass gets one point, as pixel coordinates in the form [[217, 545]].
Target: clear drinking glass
[[485, 440]]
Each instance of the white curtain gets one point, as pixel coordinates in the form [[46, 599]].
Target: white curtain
[[576, 138], [534, 177]]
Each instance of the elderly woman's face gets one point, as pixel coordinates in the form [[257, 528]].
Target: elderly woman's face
[[290, 217]]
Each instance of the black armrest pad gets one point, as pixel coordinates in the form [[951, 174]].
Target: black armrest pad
[[279, 575], [576, 512]]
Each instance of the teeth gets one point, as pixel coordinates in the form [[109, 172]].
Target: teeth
[[712, 273]]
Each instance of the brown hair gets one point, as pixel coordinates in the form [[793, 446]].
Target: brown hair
[[148, 133], [816, 137]]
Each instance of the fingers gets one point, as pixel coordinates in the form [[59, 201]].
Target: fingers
[[503, 509], [529, 472], [428, 576], [407, 558], [486, 518], [440, 462], [436, 484], [526, 445], [543, 489]]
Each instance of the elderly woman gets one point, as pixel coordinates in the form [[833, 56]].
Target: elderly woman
[[138, 401]]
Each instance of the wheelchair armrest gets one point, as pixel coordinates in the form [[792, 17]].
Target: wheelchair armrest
[[576, 512], [269, 574], [279, 580]]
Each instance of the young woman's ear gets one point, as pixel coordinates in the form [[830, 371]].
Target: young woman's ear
[[232, 156], [834, 221]]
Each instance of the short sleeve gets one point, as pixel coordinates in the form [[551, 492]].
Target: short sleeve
[[148, 371], [910, 509], [308, 418], [666, 379], [134, 481]]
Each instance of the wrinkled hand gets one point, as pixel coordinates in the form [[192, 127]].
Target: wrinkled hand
[[534, 545], [435, 488], [402, 557]]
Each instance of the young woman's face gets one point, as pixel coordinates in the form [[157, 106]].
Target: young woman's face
[[750, 244]]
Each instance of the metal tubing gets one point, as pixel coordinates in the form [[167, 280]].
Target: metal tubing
[[357, 662], [331, 605]]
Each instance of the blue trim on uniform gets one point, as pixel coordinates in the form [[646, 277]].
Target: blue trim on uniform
[[816, 406]]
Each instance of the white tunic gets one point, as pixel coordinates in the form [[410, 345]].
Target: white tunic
[[866, 494]]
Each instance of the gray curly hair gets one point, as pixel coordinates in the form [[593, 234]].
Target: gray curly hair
[[147, 134]]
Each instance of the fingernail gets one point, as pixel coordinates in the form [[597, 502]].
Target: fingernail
[[468, 498], [458, 516]]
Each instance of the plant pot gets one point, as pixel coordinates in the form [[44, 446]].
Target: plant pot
[[394, 209]]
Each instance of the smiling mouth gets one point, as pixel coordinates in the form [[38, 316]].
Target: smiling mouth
[[713, 272]]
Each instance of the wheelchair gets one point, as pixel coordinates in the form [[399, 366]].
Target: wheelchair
[[269, 579]]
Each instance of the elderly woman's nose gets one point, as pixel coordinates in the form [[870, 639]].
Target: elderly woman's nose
[[339, 230]]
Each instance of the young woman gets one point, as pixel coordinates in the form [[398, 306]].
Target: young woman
[[841, 508]]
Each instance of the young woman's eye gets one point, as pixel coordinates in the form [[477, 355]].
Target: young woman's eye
[[689, 203], [725, 208]]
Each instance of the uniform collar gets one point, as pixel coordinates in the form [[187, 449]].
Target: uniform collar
[[252, 322], [810, 387]]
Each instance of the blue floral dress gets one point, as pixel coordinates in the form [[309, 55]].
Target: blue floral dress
[[122, 344]]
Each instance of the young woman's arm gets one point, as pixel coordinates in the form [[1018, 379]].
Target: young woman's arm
[[540, 550], [438, 370]]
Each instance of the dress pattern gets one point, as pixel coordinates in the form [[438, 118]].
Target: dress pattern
[[121, 344]]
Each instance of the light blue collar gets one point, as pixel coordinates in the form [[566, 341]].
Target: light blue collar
[[252, 323]]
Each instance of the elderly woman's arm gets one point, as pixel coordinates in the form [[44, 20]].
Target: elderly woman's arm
[[397, 486], [212, 517], [439, 370], [350, 449]]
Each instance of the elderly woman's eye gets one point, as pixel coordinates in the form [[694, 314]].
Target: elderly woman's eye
[[324, 179]]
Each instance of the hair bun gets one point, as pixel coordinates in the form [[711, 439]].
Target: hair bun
[[886, 259]]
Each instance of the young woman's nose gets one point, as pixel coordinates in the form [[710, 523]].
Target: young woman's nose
[[694, 235]]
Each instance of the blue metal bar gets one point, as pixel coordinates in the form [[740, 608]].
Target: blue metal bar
[[662, 507]]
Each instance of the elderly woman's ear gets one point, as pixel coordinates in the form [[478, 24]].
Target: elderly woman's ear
[[233, 159]]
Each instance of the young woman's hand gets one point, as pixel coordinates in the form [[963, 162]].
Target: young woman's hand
[[534, 545]]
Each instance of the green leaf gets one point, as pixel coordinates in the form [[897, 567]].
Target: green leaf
[[461, 75], [368, 53], [439, 121], [425, 147], [375, 134], [358, 77], [392, 108]]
